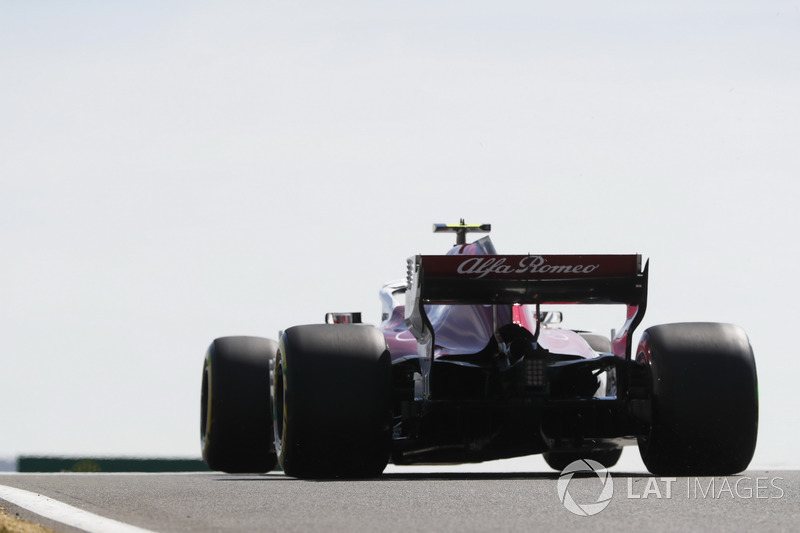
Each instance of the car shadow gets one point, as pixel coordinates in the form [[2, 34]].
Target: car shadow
[[429, 476]]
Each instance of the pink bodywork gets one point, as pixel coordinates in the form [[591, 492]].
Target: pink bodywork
[[466, 329]]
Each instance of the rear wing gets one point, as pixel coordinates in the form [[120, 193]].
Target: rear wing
[[525, 279]]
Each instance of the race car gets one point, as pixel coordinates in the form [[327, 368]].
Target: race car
[[469, 364]]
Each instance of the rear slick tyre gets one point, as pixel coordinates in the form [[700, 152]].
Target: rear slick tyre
[[332, 400], [704, 393], [236, 414]]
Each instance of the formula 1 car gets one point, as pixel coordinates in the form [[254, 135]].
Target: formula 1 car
[[467, 366]]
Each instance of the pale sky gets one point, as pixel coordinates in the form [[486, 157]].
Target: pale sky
[[177, 171]]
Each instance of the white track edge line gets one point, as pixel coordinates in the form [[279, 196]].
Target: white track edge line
[[65, 514]]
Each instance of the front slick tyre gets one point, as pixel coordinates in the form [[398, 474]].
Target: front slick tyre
[[560, 460], [332, 401], [704, 399], [235, 411]]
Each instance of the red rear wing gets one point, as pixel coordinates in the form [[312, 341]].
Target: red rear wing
[[507, 279], [523, 279]]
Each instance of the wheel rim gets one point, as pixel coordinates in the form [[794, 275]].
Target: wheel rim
[[204, 407], [278, 406], [643, 440]]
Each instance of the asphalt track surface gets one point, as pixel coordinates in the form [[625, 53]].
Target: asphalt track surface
[[417, 501]]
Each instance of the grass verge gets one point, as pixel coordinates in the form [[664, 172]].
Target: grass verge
[[13, 524]]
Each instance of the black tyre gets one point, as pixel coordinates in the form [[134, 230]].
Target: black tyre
[[560, 460], [598, 343], [236, 413], [704, 399], [332, 392]]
